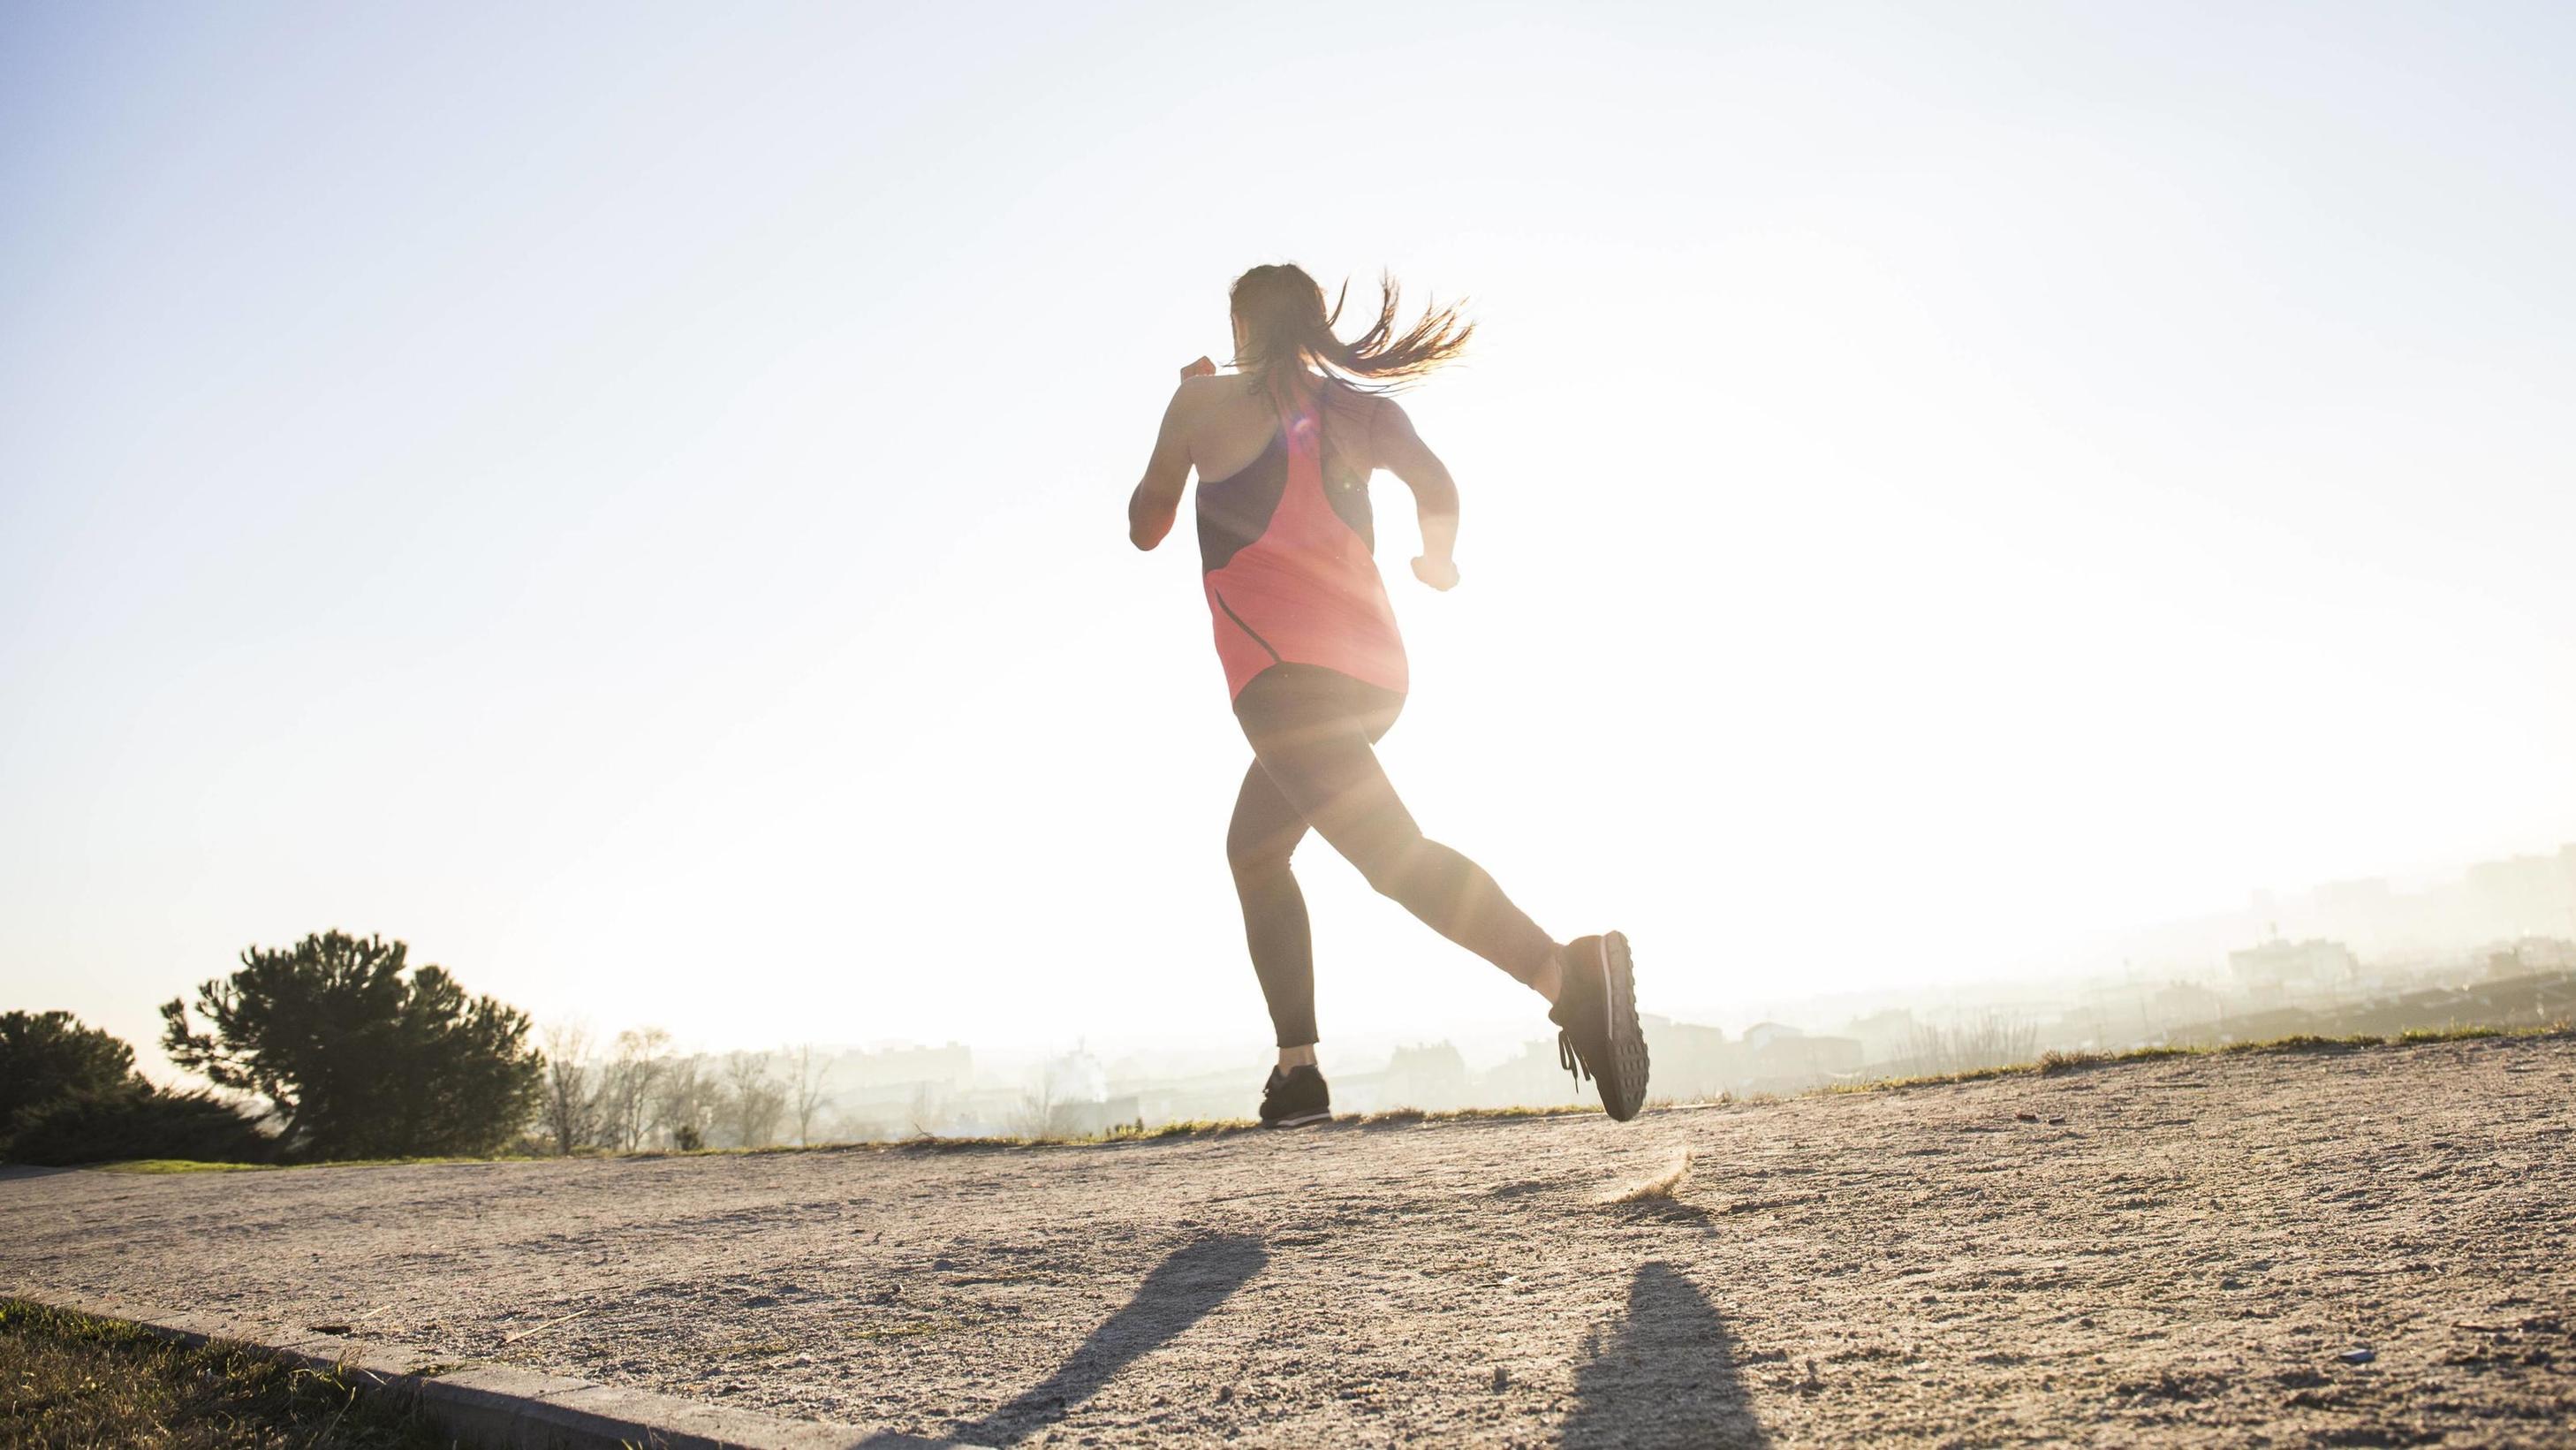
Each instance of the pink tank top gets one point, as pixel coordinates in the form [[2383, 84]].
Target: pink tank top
[[1290, 571]]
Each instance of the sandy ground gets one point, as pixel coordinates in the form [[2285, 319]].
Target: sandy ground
[[2181, 1252]]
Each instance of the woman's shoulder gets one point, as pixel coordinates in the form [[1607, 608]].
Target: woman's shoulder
[[1360, 407], [1345, 400], [1216, 391], [1196, 390]]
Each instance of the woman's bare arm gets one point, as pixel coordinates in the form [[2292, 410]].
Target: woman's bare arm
[[1157, 499], [1402, 452]]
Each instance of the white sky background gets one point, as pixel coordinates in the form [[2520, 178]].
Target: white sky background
[[630, 501]]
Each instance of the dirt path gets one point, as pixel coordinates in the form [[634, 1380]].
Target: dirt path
[[2179, 1252]]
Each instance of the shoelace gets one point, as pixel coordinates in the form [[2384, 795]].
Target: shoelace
[[1568, 1058]]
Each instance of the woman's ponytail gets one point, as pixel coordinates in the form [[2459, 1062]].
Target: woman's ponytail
[[1286, 329]]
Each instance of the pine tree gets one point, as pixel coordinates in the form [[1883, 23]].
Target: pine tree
[[364, 1056]]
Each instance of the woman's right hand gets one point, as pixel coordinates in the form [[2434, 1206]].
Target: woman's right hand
[[1438, 571], [1203, 368]]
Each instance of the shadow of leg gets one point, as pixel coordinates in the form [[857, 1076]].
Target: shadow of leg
[[1179, 1293], [1667, 1377]]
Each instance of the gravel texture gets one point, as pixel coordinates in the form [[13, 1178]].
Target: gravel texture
[[2344, 1247]]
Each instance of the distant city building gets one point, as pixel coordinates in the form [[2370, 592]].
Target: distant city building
[[1433, 1078], [1690, 1061], [1762, 1034], [2530, 956], [2177, 1002], [902, 1091], [1778, 1058], [2525, 895], [1536, 1079], [2276, 964], [1076, 1077], [1885, 1035]]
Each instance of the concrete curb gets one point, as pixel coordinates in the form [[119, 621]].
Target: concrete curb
[[495, 1406]]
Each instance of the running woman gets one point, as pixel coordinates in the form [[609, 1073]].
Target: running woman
[[1284, 448]]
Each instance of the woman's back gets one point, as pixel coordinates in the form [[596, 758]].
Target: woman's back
[[1232, 419], [1286, 556]]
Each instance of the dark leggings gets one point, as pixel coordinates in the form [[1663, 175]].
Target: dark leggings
[[1312, 730]]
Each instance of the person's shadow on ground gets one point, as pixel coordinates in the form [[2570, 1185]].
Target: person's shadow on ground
[[1667, 1376], [1179, 1293]]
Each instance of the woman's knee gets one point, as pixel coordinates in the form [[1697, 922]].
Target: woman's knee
[[1392, 860], [1254, 855]]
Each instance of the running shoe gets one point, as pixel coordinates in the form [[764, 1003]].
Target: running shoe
[[1294, 1098], [1596, 1012]]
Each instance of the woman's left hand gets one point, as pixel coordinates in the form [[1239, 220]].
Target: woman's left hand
[[1440, 573], [1203, 368]]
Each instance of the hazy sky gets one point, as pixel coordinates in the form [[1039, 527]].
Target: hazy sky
[[630, 499]]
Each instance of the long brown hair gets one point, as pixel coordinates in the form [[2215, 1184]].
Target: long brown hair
[[1287, 330]]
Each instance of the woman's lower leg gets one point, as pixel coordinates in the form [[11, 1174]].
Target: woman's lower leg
[[1458, 899], [1549, 981], [1281, 942], [1260, 842]]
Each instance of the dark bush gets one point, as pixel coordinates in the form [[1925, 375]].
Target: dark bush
[[45, 1055], [134, 1119]]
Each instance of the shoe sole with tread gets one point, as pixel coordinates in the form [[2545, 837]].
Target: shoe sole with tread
[[1625, 1097]]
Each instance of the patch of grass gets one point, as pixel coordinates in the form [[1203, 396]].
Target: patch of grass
[[2309, 1042], [2054, 1061], [2449, 1034], [416, 1162], [72, 1380], [181, 1165], [184, 1165], [1183, 1128]]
